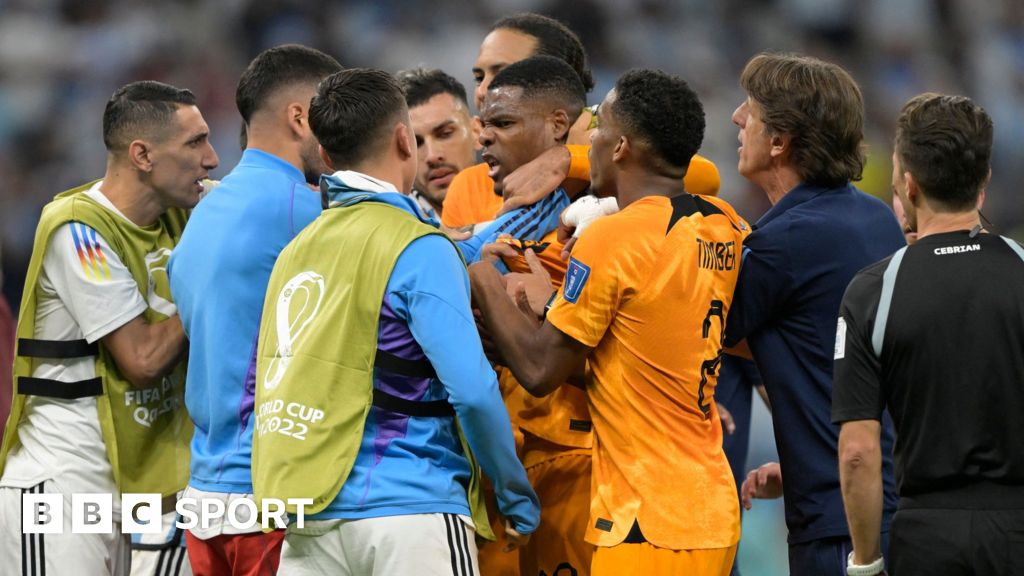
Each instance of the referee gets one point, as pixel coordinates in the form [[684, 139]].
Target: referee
[[935, 333]]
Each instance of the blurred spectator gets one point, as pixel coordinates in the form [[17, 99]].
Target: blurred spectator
[[68, 56]]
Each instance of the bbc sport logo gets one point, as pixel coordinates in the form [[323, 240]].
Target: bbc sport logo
[[140, 513]]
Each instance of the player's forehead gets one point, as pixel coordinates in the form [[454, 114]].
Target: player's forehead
[[505, 46], [506, 101], [604, 109], [186, 124], [438, 109]]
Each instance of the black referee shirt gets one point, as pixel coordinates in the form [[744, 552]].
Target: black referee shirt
[[951, 368]]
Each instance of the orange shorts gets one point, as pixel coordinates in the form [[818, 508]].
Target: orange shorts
[[645, 559], [492, 561], [561, 478]]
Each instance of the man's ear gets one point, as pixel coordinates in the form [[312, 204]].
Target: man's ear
[[326, 158], [780, 145], [405, 140], [560, 124], [623, 149], [139, 153], [475, 128], [297, 118], [913, 189]]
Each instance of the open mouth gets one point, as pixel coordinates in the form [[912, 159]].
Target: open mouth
[[494, 166]]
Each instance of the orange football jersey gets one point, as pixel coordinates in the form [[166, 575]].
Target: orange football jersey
[[649, 289]]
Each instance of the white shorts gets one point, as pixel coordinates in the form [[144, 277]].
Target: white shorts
[[420, 544], [161, 554], [171, 561], [67, 553]]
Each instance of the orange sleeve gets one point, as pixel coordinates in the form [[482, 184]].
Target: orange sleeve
[[591, 292], [470, 198], [456, 200], [579, 162], [701, 178]]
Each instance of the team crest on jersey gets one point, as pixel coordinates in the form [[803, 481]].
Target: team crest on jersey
[[575, 278]]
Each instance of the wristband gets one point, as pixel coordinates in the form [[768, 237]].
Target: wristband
[[876, 567], [549, 304]]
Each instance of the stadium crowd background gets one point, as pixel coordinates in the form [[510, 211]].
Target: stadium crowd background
[[61, 59]]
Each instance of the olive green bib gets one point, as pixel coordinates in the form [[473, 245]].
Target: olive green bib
[[146, 431], [317, 351]]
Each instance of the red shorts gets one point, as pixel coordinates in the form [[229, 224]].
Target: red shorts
[[254, 554]]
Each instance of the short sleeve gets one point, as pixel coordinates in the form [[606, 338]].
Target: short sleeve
[[91, 281], [857, 387], [592, 291], [456, 206]]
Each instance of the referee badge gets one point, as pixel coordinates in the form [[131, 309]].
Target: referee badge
[[840, 351]]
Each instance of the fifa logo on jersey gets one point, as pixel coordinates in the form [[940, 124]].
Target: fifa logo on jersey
[[575, 278], [297, 305], [716, 255]]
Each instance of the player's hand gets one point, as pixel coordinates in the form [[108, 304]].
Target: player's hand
[[535, 287], [764, 482], [566, 235], [536, 179], [457, 234], [728, 424], [579, 215], [491, 252], [523, 303], [514, 540]]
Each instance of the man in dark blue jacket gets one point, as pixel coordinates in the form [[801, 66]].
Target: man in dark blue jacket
[[801, 133]]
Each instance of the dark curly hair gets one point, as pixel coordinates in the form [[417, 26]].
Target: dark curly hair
[[553, 39], [545, 77], [661, 110]]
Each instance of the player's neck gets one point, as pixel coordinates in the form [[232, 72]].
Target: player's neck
[[383, 169], [133, 198], [633, 186], [929, 223], [276, 146]]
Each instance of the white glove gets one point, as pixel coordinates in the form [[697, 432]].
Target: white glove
[[585, 210]]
